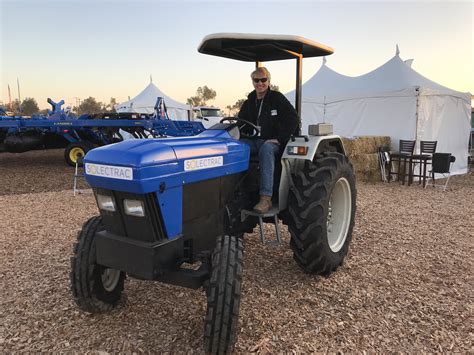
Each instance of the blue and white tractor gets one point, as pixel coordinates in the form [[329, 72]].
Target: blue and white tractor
[[171, 209]]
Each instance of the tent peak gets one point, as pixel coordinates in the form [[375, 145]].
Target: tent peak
[[324, 60], [397, 50], [409, 62]]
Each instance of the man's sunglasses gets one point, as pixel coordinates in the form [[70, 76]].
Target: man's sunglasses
[[262, 80]]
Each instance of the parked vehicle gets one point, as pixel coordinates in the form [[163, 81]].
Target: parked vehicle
[[207, 115], [168, 204]]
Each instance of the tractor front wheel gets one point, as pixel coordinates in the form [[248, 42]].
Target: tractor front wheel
[[223, 296], [95, 288], [75, 151], [321, 210]]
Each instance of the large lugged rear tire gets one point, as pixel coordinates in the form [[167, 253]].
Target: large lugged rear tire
[[95, 288], [321, 210], [223, 296]]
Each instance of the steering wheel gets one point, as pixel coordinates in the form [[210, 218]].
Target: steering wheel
[[255, 128]]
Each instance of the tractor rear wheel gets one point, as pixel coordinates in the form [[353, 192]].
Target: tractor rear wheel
[[76, 150], [321, 210], [95, 288], [223, 296]]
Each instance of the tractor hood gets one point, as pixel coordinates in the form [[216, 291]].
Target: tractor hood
[[148, 165]]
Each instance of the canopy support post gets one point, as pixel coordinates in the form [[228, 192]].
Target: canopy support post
[[299, 79]]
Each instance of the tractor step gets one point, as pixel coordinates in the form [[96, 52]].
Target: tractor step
[[273, 212]]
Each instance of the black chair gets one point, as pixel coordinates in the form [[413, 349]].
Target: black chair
[[404, 154], [384, 162], [441, 164], [427, 149]]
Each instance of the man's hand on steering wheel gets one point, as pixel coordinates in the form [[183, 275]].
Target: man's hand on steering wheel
[[245, 123]]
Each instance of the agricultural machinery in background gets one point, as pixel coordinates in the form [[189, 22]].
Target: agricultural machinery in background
[[169, 203], [61, 129]]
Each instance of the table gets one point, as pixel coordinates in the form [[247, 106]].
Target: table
[[423, 160]]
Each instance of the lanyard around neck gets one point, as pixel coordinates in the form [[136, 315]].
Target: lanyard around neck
[[260, 110]]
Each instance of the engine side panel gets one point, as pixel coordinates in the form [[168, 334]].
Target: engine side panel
[[204, 210]]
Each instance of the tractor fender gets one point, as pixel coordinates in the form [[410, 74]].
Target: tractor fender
[[315, 145], [291, 163]]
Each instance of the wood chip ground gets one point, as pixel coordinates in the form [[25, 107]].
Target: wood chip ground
[[406, 285]]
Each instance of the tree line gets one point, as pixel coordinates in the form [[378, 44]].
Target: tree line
[[203, 95], [29, 106]]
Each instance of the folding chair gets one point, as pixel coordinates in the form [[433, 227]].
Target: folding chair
[[441, 164], [384, 162], [404, 154]]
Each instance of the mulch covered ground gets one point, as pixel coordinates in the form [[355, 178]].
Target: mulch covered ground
[[406, 284]]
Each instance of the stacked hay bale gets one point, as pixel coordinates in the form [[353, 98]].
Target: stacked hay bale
[[363, 153]]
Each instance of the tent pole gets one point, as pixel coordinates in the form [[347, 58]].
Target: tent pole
[[417, 90], [324, 110]]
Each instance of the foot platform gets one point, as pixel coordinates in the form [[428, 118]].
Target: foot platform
[[273, 212]]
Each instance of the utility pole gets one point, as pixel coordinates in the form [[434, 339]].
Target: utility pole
[[19, 97], [9, 99], [78, 102]]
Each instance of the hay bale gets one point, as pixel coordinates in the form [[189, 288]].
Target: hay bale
[[368, 177], [363, 154], [366, 167], [382, 141], [364, 144], [348, 146]]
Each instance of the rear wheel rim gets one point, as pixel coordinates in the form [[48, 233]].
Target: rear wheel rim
[[75, 153], [110, 279], [339, 214]]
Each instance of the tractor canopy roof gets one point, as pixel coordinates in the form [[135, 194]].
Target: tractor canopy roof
[[261, 47]]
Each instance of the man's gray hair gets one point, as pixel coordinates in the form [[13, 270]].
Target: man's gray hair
[[261, 70]]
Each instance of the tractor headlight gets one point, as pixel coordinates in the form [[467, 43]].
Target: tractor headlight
[[134, 208], [106, 202]]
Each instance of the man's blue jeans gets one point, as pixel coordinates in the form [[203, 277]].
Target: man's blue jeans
[[267, 152]]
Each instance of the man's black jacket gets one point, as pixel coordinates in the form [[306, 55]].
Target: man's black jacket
[[278, 119]]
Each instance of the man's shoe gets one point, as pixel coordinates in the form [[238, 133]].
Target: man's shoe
[[264, 205]]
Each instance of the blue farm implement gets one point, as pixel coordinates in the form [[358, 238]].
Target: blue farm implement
[[61, 129]]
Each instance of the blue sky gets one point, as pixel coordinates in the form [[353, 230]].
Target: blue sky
[[68, 49]]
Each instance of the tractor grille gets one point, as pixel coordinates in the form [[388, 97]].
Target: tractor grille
[[146, 229]]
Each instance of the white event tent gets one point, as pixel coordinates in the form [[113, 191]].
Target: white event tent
[[392, 100], [145, 102]]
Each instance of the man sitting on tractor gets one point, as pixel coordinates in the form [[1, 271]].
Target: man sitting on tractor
[[277, 119]]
